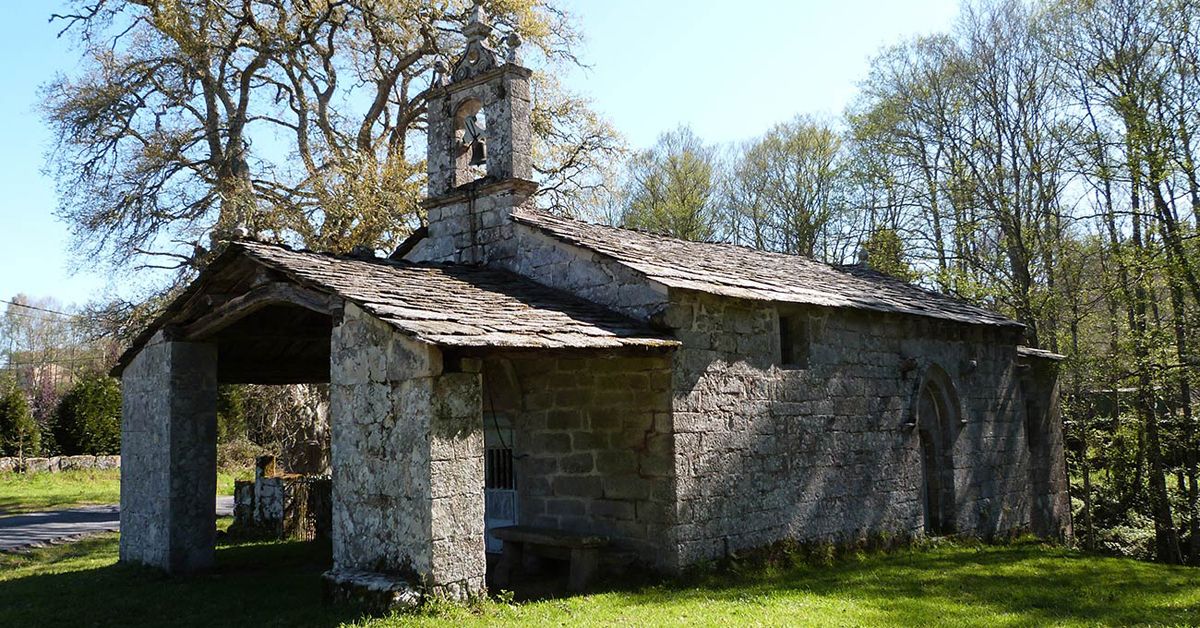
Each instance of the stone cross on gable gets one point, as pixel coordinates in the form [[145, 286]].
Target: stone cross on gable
[[478, 28]]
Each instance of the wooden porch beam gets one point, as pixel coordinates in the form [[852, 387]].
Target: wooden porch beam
[[237, 308]]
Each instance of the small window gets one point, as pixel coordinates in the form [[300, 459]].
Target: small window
[[793, 342], [1033, 432], [498, 469]]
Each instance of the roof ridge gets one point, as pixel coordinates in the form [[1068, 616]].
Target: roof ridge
[[347, 257], [664, 236]]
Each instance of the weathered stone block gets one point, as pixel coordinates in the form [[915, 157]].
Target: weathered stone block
[[627, 488], [551, 442], [617, 462], [375, 591], [605, 417], [564, 419], [587, 440], [613, 509], [565, 507], [578, 463], [578, 486]]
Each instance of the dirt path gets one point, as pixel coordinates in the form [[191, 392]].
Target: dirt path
[[37, 529]]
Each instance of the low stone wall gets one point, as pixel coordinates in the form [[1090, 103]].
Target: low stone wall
[[284, 507], [55, 464]]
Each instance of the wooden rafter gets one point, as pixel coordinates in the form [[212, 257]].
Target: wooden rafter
[[237, 308]]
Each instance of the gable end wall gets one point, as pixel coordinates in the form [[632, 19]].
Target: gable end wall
[[482, 232]]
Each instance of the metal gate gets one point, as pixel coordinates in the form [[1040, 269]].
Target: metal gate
[[500, 487]]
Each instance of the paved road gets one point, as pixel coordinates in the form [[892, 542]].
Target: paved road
[[56, 526]]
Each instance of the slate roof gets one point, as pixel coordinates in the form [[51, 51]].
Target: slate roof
[[742, 272], [1042, 354], [446, 305], [460, 306]]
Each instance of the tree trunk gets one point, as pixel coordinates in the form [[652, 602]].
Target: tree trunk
[[1179, 323]]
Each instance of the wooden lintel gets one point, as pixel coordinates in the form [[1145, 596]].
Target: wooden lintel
[[237, 308]]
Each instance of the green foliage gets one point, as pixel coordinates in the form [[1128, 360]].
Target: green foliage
[[19, 433], [671, 188], [885, 253], [240, 453], [787, 190], [88, 419], [231, 413]]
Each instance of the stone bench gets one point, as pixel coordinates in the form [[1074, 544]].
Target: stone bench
[[581, 550]]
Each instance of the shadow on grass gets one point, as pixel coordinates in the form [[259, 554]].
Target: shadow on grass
[[1027, 584], [277, 584], [267, 584]]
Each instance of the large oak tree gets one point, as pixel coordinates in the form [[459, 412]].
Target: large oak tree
[[300, 120]]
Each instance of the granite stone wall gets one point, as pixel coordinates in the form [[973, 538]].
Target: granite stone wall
[[827, 448], [826, 452], [830, 451], [593, 451], [407, 452], [169, 456], [54, 464], [466, 225]]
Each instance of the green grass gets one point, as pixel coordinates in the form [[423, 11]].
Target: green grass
[[20, 492], [276, 584]]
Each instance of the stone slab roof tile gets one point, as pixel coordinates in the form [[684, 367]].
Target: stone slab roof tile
[[1041, 354], [460, 306], [742, 272]]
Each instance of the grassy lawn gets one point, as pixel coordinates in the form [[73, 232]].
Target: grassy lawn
[[20, 492], [276, 584]]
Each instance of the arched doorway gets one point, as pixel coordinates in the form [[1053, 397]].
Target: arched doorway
[[937, 423]]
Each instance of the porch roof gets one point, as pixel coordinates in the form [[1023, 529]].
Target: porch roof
[[447, 305]]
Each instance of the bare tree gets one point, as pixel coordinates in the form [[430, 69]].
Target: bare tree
[[296, 120], [788, 190]]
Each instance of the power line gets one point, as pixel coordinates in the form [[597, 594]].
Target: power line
[[40, 309]]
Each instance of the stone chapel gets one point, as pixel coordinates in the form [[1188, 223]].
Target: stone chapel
[[510, 367]]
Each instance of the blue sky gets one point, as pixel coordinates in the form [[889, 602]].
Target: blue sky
[[729, 69]]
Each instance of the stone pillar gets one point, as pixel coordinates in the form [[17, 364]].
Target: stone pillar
[[407, 452], [169, 456]]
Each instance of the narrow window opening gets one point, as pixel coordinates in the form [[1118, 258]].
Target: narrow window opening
[[793, 342], [1032, 423], [498, 469]]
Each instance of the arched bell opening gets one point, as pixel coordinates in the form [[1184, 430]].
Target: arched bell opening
[[470, 135]]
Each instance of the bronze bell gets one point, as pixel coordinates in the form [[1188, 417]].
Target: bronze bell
[[478, 153]]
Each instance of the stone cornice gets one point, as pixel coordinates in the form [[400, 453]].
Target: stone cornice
[[481, 188]]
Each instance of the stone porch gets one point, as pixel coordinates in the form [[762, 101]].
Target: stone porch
[[588, 426]]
